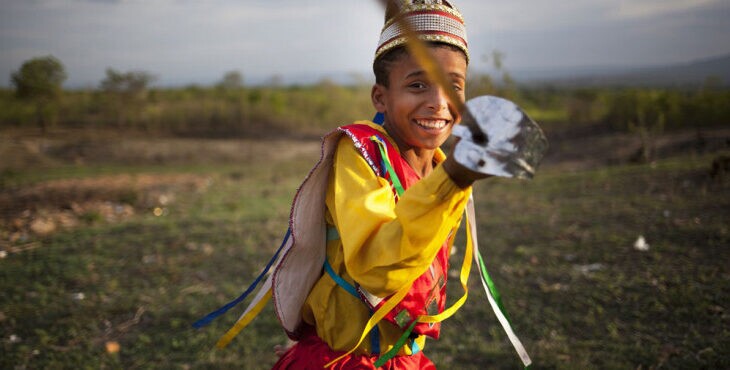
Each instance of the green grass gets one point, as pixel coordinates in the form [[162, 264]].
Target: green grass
[[144, 281], [662, 308]]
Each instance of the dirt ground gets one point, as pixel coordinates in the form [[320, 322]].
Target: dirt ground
[[45, 207], [592, 146], [20, 150], [95, 276], [48, 206]]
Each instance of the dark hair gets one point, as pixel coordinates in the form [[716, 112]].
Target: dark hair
[[382, 65]]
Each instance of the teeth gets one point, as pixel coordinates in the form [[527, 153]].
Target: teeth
[[431, 123]]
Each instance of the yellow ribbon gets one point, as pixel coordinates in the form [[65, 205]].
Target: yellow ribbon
[[463, 277], [376, 317], [399, 295], [244, 321]]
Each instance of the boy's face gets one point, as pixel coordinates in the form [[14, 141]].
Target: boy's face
[[417, 111]]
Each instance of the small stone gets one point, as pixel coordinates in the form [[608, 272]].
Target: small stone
[[587, 269], [18, 223], [112, 347], [641, 244], [207, 249], [42, 227]]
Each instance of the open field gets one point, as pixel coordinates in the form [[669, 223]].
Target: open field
[[112, 247]]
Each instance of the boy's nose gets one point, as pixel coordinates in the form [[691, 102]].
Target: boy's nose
[[438, 100]]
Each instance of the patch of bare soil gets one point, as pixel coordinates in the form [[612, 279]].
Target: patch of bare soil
[[20, 150], [592, 146], [42, 209], [48, 207]]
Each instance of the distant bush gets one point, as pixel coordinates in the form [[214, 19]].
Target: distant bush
[[679, 109], [648, 112], [204, 111], [232, 109]]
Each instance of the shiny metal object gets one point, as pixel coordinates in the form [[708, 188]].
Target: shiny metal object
[[514, 144]]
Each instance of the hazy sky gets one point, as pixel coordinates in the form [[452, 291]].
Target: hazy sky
[[197, 41]]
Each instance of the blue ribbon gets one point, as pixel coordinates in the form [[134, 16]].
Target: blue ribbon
[[213, 315], [383, 168], [375, 333], [379, 118], [340, 281]]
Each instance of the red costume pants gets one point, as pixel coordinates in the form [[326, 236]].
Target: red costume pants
[[311, 353]]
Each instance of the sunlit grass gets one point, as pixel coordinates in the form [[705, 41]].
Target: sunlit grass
[[560, 249]]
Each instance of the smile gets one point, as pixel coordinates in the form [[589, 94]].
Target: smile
[[432, 123]]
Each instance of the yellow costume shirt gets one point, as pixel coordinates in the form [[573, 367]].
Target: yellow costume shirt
[[382, 246]]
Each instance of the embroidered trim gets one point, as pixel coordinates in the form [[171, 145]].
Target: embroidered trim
[[361, 148]]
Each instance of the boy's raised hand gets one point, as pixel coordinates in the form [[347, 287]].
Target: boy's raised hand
[[461, 175]]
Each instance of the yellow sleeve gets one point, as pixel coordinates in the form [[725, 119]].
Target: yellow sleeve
[[386, 244]]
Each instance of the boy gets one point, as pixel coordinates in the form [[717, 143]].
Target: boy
[[393, 203]]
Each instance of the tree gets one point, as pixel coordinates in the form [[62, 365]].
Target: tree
[[127, 92], [642, 112], [232, 80], [39, 80], [485, 84], [134, 83]]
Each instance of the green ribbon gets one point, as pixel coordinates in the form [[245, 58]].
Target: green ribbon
[[388, 167], [396, 347], [492, 287]]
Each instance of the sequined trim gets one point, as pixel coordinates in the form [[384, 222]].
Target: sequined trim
[[426, 7], [360, 148], [432, 20], [423, 23]]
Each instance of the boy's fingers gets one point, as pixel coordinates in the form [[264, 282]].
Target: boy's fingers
[[462, 176]]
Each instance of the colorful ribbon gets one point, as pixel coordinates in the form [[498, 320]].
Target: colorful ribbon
[[399, 295], [213, 315], [497, 307], [385, 162]]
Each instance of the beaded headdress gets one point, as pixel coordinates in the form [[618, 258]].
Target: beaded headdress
[[432, 21]]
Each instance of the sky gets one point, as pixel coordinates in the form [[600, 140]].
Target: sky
[[197, 41]]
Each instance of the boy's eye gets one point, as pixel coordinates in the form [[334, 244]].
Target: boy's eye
[[418, 85]]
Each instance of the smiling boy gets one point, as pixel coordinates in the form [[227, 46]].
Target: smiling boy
[[393, 204], [418, 115]]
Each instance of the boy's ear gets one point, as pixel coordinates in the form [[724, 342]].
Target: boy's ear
[[377, 95]]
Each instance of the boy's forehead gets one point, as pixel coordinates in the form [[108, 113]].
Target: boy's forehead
[[451, 61]]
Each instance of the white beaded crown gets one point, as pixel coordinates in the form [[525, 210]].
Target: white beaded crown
[[432, 20]]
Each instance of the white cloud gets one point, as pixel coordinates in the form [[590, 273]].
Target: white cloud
[[653, 8], [197, 40], [530, 15]]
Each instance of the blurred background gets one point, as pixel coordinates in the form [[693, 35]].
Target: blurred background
[[149, 152]]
